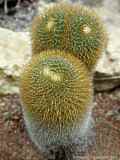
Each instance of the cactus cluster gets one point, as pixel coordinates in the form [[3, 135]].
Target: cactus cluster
[[56, 86]]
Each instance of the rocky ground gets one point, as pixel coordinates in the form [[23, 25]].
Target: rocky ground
[[15, 51]]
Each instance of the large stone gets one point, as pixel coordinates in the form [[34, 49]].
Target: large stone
[[108, 67], [15, 51]]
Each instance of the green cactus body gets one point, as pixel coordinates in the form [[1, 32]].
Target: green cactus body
[[56, 92], [74, 29]]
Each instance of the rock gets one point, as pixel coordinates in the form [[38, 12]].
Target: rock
[[15, 51], [104, 82], [108, 67]]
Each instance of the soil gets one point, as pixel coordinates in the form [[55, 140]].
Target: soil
[[16, 145]]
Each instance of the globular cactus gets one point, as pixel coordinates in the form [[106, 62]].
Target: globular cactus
[[72, 28], [56, 86], [56, 91]]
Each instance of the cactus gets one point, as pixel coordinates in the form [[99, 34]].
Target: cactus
[[72, 28], [56, 86], [56, 91]]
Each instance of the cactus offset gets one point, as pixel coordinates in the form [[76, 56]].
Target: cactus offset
[[74, 29]]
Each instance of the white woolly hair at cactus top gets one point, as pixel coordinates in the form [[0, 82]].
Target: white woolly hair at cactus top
[[56, 91], [73, 28]]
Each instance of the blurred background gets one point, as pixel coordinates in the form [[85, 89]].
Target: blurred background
[[15, 50]]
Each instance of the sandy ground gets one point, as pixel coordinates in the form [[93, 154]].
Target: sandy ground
[[15, 144]]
